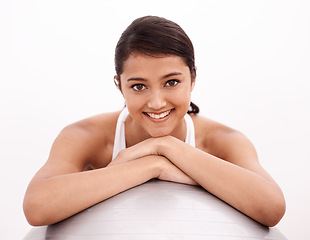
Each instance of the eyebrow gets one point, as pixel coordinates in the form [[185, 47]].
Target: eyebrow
[[163, 77]]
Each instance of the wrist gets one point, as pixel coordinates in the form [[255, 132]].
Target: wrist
[[157, 165], [163, 145]]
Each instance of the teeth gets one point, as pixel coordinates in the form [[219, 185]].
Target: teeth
[[159, 116]]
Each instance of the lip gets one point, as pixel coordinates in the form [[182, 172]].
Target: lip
[[158, 117]]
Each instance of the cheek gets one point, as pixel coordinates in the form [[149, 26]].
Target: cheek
[[180, 99], [127, 97], [133, 101], [182, 96]]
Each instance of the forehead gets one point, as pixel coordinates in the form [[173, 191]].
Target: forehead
[[140, 64]]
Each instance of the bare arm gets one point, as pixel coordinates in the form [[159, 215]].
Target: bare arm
[[241, 182], [61, 188], [238, 180]]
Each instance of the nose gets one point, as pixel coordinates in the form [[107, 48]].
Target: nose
[[157, 100]]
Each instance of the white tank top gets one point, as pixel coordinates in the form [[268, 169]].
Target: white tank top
[[120, 141]]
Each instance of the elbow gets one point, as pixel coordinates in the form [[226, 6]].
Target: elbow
[[34, 213], [273, 212], [35, 222]]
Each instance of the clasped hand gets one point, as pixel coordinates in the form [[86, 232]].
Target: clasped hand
[[150, 149]]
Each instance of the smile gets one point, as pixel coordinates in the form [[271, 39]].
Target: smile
[[159, 116]]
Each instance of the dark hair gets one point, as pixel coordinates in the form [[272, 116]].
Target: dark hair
[[155, 36]]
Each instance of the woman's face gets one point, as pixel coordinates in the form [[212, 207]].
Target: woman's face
[[157, 91]]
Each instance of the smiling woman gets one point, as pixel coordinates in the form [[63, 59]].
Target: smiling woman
[[157, 135], [159, 97]]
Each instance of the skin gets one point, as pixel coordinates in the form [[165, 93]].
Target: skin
[[79, 172]]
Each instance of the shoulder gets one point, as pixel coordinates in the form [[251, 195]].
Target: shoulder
[[87, 141], [222, 141], [99, 126]]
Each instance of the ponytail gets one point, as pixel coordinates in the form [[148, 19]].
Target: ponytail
[[193, 108]]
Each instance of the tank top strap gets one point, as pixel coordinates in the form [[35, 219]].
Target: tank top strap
[[190, 131], [119, 138]]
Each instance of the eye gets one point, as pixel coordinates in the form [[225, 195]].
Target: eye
[[172, 83], [138, 87]]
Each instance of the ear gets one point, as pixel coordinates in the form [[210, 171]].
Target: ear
[[194, 80], [193, 84], [117, 83]]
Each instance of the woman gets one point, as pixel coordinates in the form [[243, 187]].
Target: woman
[[157, 135]]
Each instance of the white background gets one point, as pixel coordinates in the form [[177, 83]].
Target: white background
[[253, 59]]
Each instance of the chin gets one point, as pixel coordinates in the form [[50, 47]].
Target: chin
[[156, 134]]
